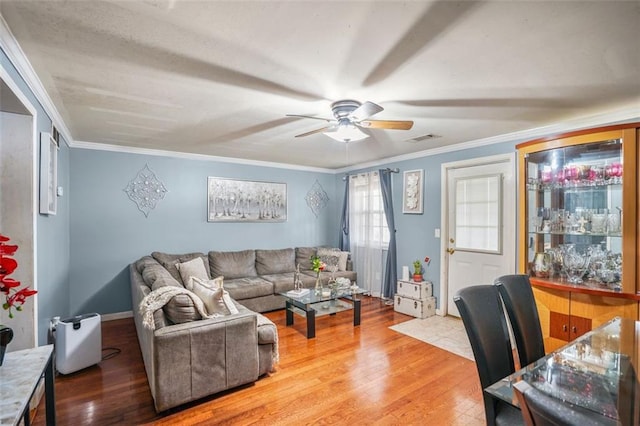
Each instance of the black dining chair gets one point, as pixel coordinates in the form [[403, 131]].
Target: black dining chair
[[520, 304], [540, 409], [483, 318]]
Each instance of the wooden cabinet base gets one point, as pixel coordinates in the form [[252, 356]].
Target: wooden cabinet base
[[565, 315]]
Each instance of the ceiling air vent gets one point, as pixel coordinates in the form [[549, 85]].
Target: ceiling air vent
[[423, 138]]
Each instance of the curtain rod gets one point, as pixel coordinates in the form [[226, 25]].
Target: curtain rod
[[396, 170]]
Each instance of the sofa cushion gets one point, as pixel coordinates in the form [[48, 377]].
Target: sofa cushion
[[281, 282], [248, 288], [181, 309], [155, 275], [214, 296], [303, 257], [144, 262], [193, 268], [275, 261], [233, 264], [169, 261]]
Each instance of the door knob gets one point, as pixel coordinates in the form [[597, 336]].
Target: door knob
[[451, 250]]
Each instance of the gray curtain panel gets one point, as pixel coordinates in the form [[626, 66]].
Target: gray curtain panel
[[343, 242], [391, 274]]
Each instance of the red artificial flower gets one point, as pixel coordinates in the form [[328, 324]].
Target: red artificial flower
[[7, 265], [7, 284], [7, 250], [13, 298]]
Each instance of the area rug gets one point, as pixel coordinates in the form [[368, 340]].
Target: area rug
[[444, 332]]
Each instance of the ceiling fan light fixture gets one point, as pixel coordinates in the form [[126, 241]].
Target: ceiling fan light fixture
[[347, 133]]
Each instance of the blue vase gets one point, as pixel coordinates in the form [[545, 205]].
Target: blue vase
[[6, 335]]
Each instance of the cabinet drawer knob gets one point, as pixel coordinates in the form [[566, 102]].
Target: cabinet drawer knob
[[574, 329], [564, 327], [415, 305]]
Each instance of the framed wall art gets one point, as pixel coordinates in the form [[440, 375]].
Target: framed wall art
[[48, 174], [233, 200], [412, 192]]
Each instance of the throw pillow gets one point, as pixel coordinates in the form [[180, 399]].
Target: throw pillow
[[343, 257], [193, 268], [215, 298], [328, 254]]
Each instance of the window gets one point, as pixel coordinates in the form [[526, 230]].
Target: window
[[477, 226], [368, 223]]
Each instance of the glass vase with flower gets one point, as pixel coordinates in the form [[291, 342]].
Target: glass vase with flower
[[317, 265]]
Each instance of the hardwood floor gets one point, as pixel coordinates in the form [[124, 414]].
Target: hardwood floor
[[347, 375]]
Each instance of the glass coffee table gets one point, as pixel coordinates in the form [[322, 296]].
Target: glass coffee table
[[311, 305]]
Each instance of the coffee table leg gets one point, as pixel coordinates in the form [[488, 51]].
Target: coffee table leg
[[311, 323], [289, 313], [356, 311]]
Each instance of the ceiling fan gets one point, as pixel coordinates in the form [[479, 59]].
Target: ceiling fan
[[350, 116]]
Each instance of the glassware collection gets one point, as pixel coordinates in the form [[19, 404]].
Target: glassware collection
[[574, 175], [593, 266], [574, 215], [581, 221]]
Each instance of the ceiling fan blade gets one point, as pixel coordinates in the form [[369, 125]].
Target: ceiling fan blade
[[309, 116], [386, 124], [365, 111], [439, 17], [321, 130]]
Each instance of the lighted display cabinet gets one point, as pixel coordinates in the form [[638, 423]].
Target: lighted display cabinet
[[578, 235]]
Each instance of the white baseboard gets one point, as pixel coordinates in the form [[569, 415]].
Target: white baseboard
[[116, 316]]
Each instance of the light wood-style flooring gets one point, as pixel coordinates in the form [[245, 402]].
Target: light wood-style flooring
[[347, 375]]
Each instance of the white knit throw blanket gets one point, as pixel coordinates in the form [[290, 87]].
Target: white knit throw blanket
[[160, 297]]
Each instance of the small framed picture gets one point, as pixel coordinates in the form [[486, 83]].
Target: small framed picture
[[412, 192], [48, 174]]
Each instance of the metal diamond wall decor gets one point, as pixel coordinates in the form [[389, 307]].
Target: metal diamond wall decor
[[145, 190], [316, 198]]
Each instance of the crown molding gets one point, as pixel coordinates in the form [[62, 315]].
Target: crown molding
[[191, 156], [617, 116], [18, 59]]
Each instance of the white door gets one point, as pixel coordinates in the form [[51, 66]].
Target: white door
[[480, 234]]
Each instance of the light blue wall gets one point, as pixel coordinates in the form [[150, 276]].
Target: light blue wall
[[415, 233], [108, 232], [52, 232]]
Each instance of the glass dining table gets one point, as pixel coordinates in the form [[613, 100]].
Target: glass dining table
[[598, 371]]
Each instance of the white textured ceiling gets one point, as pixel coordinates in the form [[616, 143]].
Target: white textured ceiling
[[217, 78]]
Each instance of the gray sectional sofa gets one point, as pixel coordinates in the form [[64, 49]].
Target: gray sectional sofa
[[187, 357]]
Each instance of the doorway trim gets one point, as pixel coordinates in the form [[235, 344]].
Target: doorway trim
[[509, 158], [18, 93]]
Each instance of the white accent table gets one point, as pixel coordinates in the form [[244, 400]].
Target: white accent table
[[19, 376]]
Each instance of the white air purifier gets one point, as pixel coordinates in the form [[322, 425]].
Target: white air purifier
[[78, 342]]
